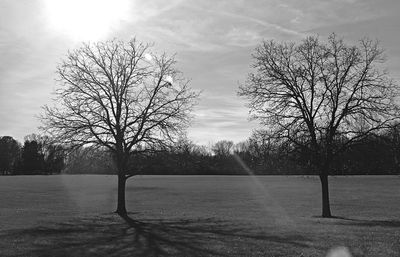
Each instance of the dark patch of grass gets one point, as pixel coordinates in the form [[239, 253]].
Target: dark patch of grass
[[111, 236], [368, 223]]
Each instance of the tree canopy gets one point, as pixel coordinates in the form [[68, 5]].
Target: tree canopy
[[117, 94]]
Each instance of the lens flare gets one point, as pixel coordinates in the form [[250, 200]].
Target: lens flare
[[339, 252], [270, 205]]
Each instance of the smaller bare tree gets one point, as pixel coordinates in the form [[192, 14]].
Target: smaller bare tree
[[315, 93], [121, 97], [223, 148]]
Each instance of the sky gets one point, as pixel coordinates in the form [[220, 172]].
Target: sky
[[213, 41]]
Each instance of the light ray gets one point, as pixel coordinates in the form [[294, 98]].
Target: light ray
[[269, 204]]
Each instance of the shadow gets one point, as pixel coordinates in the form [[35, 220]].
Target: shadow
[[109, 235], [143, 188], [371, 223], [363, 222]]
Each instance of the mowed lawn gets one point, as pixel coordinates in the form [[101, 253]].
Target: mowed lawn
[[72, 215]]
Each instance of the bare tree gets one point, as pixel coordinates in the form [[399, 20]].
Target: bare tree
[[121, 97], [43, 142], [314, 92], [223, 148]]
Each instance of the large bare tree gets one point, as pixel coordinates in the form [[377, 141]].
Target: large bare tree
[[314, 93], [119, 96]]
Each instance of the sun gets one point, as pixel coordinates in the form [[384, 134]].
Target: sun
[[86, 19]]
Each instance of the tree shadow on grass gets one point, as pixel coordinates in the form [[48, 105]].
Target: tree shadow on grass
[[111, 236], [363, 222], [369, 223]]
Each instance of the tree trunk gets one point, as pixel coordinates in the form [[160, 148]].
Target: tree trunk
[[326, 209], [121, 209]]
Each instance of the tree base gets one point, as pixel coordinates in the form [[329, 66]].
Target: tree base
[[121, 213]]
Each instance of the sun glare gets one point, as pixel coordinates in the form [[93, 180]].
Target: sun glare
[[86, 19]]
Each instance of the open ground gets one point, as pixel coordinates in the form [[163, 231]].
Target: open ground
[[72, 215]]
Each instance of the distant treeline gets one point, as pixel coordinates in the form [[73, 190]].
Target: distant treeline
[[260, 155], [36, 156], [376, 154]]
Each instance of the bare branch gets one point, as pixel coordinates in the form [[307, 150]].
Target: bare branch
[[313, 92]]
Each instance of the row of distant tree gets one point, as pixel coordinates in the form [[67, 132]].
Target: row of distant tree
[[36, 156], [261, 155], [376, 154]]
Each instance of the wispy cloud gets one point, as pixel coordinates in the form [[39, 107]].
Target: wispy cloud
[[244, 18]]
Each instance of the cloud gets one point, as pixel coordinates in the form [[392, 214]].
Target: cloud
[[227, 120], [243, 37], [238, 17]]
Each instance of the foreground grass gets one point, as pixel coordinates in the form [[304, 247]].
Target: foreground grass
[[197, 216]]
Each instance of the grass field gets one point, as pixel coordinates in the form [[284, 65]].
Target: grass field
[[198, 216]]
